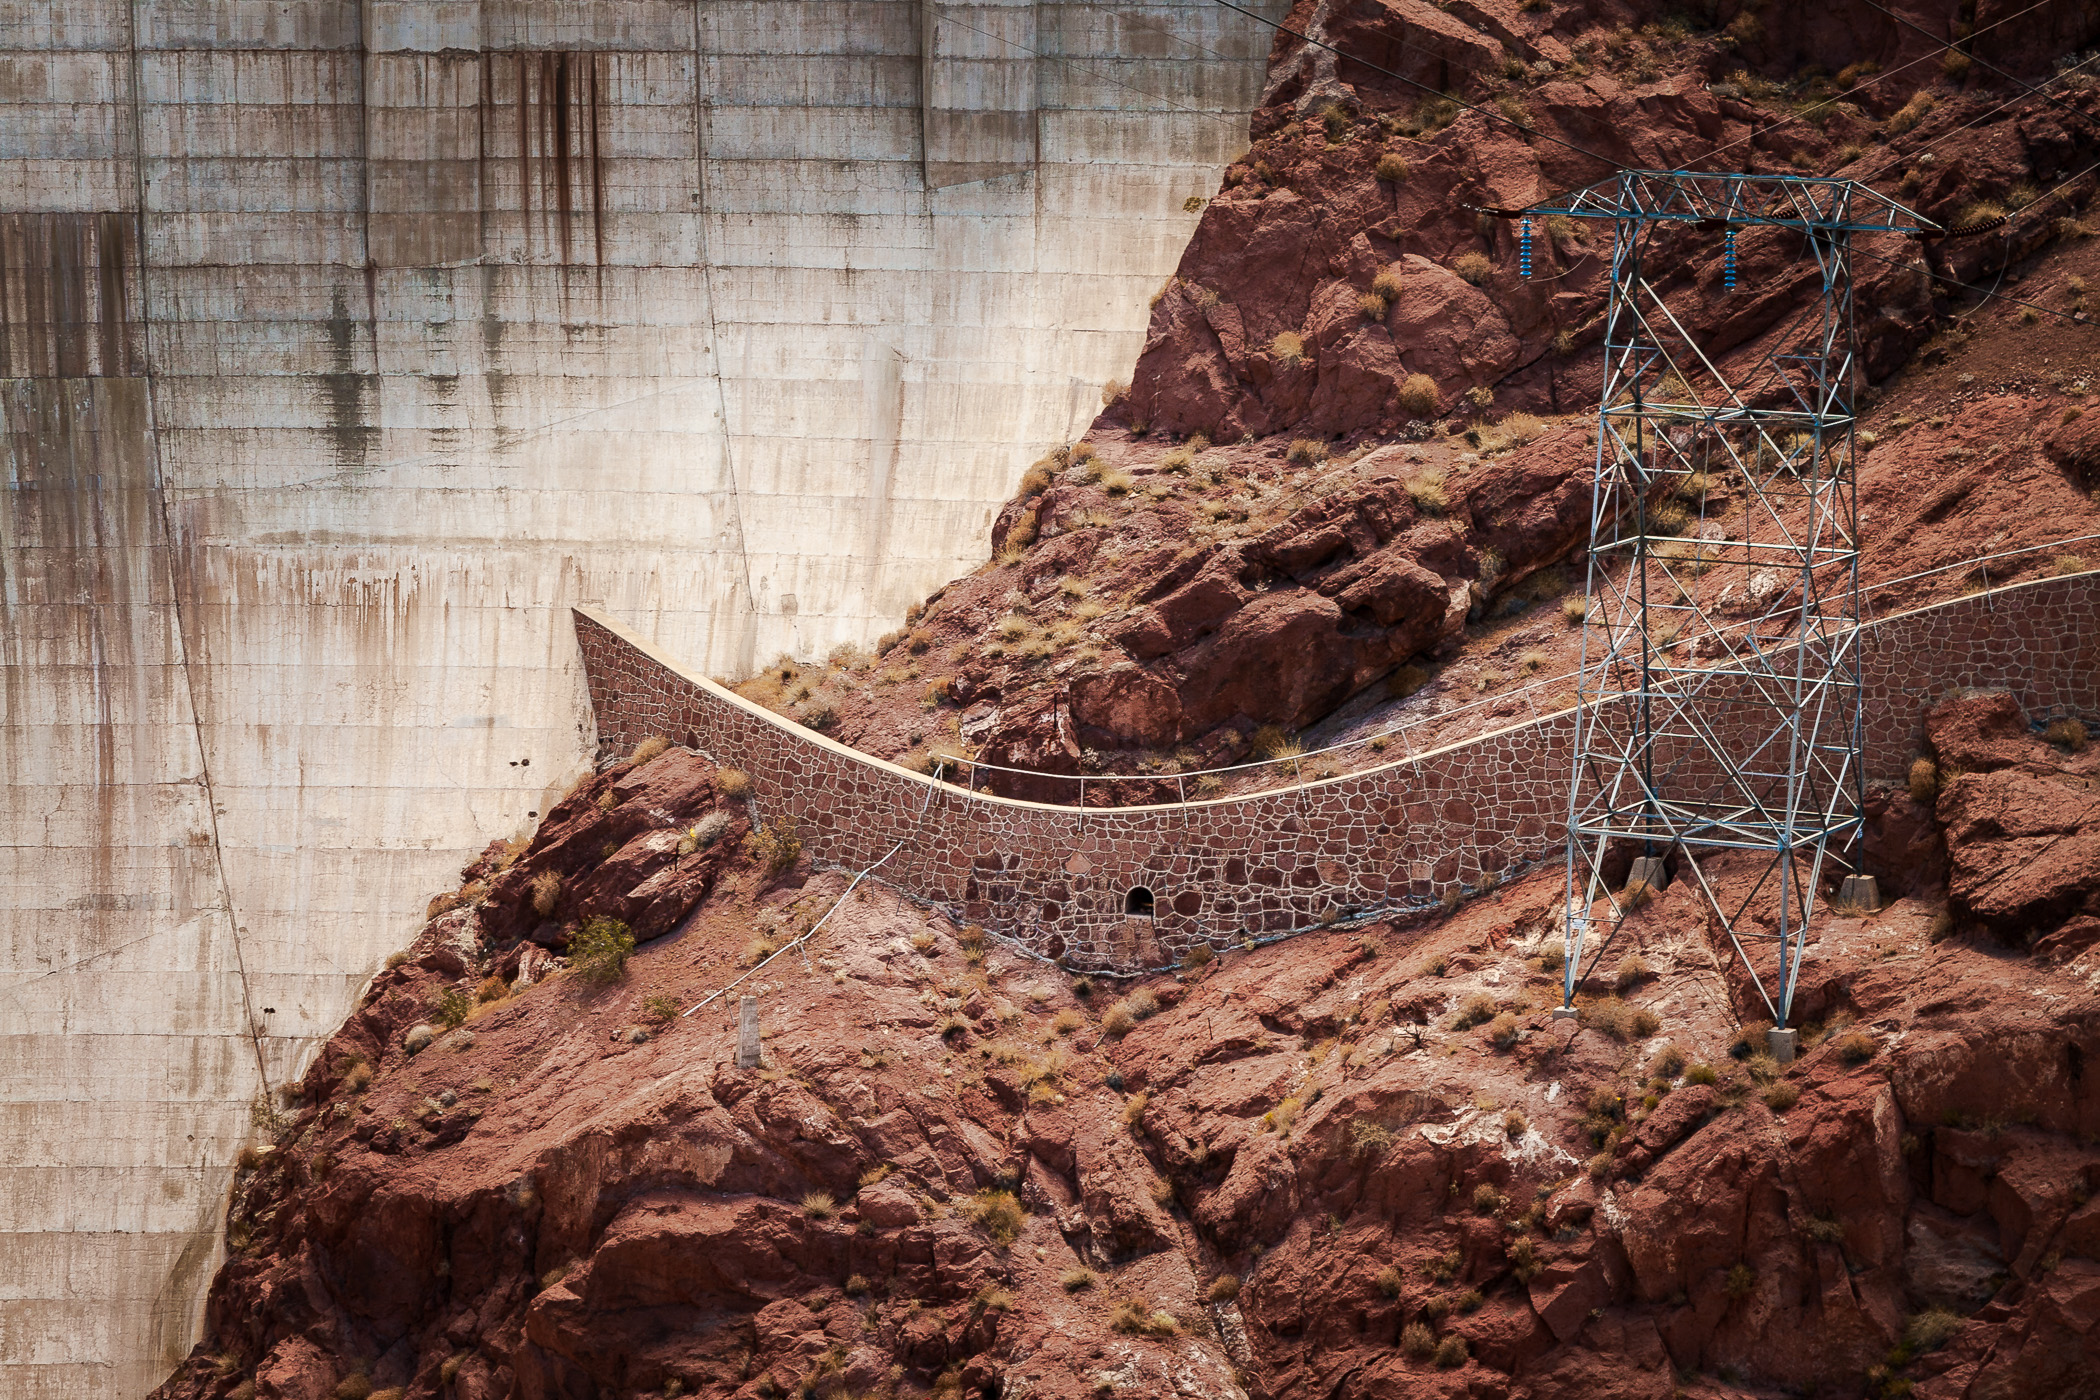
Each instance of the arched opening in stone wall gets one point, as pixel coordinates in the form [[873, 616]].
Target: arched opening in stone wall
[[1138, 902]]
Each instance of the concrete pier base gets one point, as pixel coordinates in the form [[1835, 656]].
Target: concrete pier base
[[1783, 1044], [1861, 892], [747, 1048], [1649, 870]]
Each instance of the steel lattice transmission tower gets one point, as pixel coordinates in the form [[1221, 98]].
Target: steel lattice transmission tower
[[1720, 689]]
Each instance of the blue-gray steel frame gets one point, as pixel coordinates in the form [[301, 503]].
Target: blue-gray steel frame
[[1704, 729]]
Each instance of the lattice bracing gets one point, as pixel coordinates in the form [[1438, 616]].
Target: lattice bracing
[[1720, 674]]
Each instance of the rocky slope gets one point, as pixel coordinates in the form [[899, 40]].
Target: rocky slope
[[1357, 444], [1362, 1163]]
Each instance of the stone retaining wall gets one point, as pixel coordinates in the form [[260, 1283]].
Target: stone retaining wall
[[1057, 879]]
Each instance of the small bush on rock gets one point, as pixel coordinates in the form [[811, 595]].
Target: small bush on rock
[[1855, 1048], [998, 1214], [733, 783], [598, 951], [1781, 1096], [546, 893], [1477, 1009], [1392, 168], [1224, 1288], [1417, 1340], [1451, 1353], [1077, 1280], [1633, 968], [1135, 1316], [1474, 267], [819, 1205], [1418, 395], [647, 749], [1931, 1329], [1389, 1282]]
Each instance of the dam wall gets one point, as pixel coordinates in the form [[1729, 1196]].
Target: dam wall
[[1058, 879], [343, 348]]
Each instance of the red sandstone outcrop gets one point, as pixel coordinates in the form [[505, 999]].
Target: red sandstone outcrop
[[1360, 1163]]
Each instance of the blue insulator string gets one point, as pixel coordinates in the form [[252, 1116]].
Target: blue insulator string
[[1728, 261], [1524, 249]]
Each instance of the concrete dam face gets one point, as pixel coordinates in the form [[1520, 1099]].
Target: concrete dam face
[[344, 348]]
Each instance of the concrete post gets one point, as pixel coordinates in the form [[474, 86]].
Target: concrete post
[[747, 1051], [1782, 1044], [1862, 892], [1649, 870]]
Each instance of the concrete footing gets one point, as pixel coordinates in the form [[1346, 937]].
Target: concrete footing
[[1650, 871], [747, 1049], [1861, 891], [1565, 1013], [1783, 1044]]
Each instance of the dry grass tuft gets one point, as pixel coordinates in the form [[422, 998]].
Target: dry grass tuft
[[647, 749], [2067, 734], [1288, 348], [1135, 1316], [1392, 168], [546, 893], [819, 1205], [1418, 395], [733, 783], [1924, 780], [998, 1214], [1427, 490], [1855, 1047], [1633, 968], [1077, 1280], [1473, 267]]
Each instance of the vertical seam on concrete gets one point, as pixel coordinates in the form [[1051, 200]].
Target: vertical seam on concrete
[[746, 650], [167, 531]]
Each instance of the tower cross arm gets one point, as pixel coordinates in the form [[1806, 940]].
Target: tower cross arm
[[1737, 201]]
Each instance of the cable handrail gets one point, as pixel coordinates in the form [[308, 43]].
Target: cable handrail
[[973, 765]]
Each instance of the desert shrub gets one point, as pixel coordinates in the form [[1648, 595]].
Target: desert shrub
[[1392, 168], [1741, 1281], [660, 1008], [819, 1205], [1077, 1280], [1702, 1074], [1288, 347], [1418, 395], [1280, 1118], [1502, 1031], [1197, 956], [1372, 307], [355, 1386], [1306, 451], [775, 848], [1924, 780], [1117, 1020], [1669, 1061], [1417, 1340], [2067, 734], [733, 783], [1515, 1124], [357, 1078], [1632, 969], [704, 833], [1135, 1316], [1369, 1139], [1781, 1096], [1451, 1353], [1855, 1047], [1134, 1111], [1067, 1021], [648, 749], [598, 951], [1224, 1288], [1619, 1020], [1976, 211], [1638, 894], [546, 893], [1931, 1329], [1426, 490], [1476, 1010], [1389, 1282], [1911, 113], [997, 1213], [1474, 267], [1487, 1200], [452, 1007], [1524, 1259], [1387, 283]]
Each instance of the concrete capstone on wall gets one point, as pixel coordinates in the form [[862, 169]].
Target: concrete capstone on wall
[[1398, 836]]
